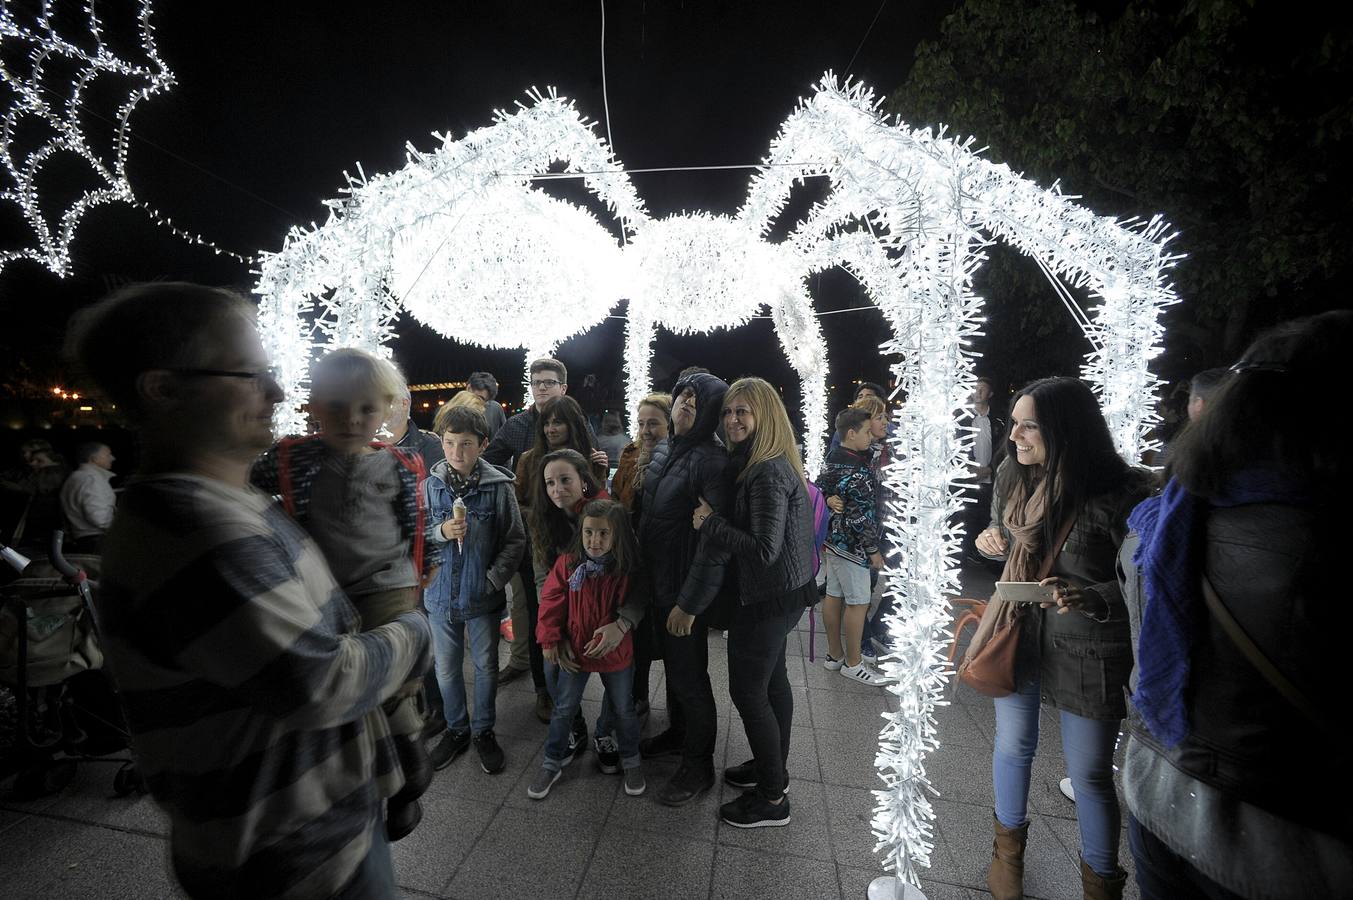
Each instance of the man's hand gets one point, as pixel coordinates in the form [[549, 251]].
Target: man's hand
[[876, 560], [679, 622]]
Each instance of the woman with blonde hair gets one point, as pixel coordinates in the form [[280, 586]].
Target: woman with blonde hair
[[654, 424], [770, 535]]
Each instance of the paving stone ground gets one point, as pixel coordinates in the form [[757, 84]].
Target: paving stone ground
[[483, 838]]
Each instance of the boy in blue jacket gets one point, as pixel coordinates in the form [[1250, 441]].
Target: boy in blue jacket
[[852, 545], [482, 544]]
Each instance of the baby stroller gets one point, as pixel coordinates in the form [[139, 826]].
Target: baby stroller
[[57, 705]]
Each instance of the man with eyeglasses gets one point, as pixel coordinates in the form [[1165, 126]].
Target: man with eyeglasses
[[252, 699], [549, 379]]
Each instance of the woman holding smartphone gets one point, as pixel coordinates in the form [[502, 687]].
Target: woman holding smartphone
[[1075, 652]]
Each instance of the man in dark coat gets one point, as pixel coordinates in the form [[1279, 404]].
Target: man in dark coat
[[687, 573]]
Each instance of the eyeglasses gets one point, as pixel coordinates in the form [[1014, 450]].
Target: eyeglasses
[[271, 373], [545, 384]]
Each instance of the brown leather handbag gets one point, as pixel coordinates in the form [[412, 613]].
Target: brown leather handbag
[[988, 666]]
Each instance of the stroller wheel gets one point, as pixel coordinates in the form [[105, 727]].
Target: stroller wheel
[[127, 779]]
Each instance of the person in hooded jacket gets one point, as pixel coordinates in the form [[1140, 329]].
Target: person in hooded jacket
[[687, 574]]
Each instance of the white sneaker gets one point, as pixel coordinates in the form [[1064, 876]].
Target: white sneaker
[[830, 664], [869, 659], [865, 675]]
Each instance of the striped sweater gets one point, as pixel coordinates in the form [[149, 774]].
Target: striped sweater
[[252, 700]]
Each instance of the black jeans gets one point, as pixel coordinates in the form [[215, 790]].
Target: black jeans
[[1163, 874], [686, 661], [760, 690]]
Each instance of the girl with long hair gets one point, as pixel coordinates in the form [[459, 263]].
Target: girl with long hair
[[770, 535], [591, 601], [560, 425], [565, 483], [1068, 502]]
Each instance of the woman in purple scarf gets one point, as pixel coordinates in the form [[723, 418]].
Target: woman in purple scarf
[[1235, 780]]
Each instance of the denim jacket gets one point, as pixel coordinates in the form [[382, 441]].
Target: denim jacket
[[473, 579]]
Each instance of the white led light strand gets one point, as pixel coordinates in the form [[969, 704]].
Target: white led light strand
[[462, 239], [38, 103]]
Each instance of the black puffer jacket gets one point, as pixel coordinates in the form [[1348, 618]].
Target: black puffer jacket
[[686, 570], [1083, 663], [770, 532]]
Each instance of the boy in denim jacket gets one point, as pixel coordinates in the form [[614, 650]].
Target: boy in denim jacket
[[481, 551]]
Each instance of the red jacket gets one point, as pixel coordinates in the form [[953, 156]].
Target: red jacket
[[573, 615]]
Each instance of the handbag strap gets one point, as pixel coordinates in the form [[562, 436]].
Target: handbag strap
[[1250, 650], [1051, 556]]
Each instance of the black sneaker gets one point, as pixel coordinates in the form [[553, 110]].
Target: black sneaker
[[608, 754], [577, 740], [665, 744], [452, 744], [686, 786], [751, 810], [744, 776], [491, 757]]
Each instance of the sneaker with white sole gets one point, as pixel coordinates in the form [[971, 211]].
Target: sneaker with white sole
[[865, 675], [830, 663], [634, 781], [540, 786], [869, 659]]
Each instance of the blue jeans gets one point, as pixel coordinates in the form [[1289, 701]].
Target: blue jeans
[[448, 648], [1088, 746], [617, 709]]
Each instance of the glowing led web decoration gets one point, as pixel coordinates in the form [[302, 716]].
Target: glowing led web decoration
[[463, 240], [40, 101]]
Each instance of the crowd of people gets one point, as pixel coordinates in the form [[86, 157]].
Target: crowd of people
[[291, 715]]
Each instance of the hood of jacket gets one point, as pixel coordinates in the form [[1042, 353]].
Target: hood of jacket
[[842, 455], [488, 472], [709, 392]]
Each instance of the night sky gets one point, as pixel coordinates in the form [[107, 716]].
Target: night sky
[[274, 101]]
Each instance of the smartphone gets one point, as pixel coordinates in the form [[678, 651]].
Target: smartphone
[[1024, 592]]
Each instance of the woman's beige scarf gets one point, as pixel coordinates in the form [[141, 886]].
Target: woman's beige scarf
[[1024, 520]]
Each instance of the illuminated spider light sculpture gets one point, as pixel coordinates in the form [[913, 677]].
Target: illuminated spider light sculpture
[[461, 240], [42, 100]]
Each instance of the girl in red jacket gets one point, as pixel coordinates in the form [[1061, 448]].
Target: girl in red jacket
[[591, 601]]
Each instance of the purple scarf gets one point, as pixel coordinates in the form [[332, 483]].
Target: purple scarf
[[1172, 527], [590, 566]]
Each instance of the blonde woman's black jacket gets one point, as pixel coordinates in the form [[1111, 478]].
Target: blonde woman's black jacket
[[770, 532]]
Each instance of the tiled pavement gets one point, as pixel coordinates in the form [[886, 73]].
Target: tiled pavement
[[483, 838]]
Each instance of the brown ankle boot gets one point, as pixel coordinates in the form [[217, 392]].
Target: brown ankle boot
[[1097, 887], [1005, 878]]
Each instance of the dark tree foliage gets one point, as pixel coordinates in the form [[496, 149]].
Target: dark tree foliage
[[1233, 119]]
